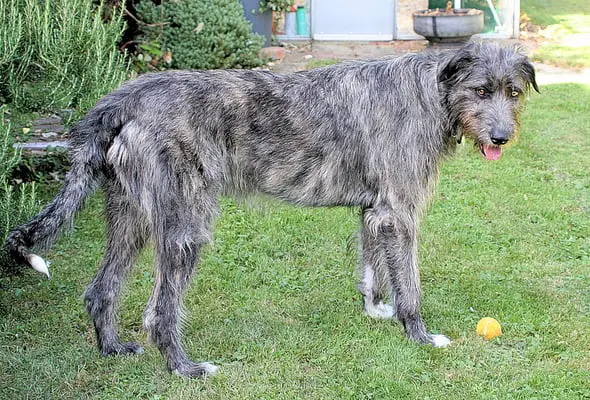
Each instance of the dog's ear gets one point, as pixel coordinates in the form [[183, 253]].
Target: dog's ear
[[462, 58], [528, 74]]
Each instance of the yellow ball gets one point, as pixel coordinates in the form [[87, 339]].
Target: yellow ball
[[489, 328]]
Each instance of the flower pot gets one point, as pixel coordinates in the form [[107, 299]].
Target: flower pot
[[454, 25]]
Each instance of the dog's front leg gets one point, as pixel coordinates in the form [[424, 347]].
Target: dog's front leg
[[374, 284], [390, 243]]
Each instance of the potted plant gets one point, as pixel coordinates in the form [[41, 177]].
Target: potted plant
[[278, 6], [448, 24]]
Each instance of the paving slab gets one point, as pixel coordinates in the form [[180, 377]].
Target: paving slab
[[298, 54], [550, 74]]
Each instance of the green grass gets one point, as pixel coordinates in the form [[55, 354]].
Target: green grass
[[567, 27], [275, 302], [318, 63], [563, 56], [550, 12]]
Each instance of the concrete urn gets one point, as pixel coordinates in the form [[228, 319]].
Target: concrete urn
[[448, 26]]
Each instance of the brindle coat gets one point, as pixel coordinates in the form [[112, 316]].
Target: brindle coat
[[371, 135]]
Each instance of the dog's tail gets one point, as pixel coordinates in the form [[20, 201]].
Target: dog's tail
[[89, 140]]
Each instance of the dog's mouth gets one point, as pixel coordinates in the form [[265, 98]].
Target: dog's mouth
[[490, 151]]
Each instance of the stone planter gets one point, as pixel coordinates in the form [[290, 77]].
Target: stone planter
[[448, 26]]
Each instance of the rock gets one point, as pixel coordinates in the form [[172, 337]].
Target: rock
[[49, 128], [275, 53], [39, 146], [48, 121]]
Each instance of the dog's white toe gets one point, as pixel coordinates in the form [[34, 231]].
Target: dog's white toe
[[440, 341], [210, 369], [379, 310], [196, 370]]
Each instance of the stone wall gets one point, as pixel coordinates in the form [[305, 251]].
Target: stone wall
[[405, 24]]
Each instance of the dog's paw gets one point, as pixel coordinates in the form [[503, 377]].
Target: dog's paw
[[121, 349], [196, 370], [379, 310], [440, 340], [417, 332]]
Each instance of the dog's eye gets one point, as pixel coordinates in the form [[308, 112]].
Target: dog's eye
[[515, 93], [481, 92]]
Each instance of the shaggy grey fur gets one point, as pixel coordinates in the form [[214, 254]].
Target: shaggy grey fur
[[362, 134]]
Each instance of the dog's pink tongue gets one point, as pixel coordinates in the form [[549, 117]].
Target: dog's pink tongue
[[492, 153]]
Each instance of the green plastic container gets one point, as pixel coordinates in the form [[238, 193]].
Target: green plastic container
[[302, 21]]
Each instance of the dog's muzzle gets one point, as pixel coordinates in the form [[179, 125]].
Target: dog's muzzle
[[493, 151], [499, 137]]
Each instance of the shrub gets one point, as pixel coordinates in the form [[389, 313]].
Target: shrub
[[17, 202], [47, 168], [201, 34], [57, 54]]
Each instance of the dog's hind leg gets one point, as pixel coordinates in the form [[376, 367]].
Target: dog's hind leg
[[396, 235], [126, 237], [178, 242]]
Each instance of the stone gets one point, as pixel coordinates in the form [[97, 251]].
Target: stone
[[275, 53]]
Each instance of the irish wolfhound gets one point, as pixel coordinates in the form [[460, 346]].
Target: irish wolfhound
[[362, 134]]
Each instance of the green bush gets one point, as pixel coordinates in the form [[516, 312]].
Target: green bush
[[201, 34], [47, 168], [56, 54], [17, 202]]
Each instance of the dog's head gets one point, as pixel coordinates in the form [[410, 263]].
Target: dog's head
[[484, 85]]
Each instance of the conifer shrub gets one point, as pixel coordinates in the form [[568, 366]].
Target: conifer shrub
[[200, 34]]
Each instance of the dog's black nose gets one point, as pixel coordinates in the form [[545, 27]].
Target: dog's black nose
[[499, 141], [499, 137]]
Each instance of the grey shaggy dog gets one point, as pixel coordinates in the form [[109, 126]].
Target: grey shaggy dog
[[372, 135]]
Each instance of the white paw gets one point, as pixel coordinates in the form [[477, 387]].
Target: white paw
[[196, 370], [210, 369], [387, 309], [440, 341], [379, 310]]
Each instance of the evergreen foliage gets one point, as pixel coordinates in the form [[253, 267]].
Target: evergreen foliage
[[57, 54], [201, 34], [17, 202]]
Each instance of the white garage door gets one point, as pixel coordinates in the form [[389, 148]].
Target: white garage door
[[353, 19]]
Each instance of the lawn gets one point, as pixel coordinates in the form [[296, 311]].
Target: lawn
[[275, 302], [566, 26]]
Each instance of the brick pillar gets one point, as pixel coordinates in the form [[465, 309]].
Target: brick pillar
[[405, 24]]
